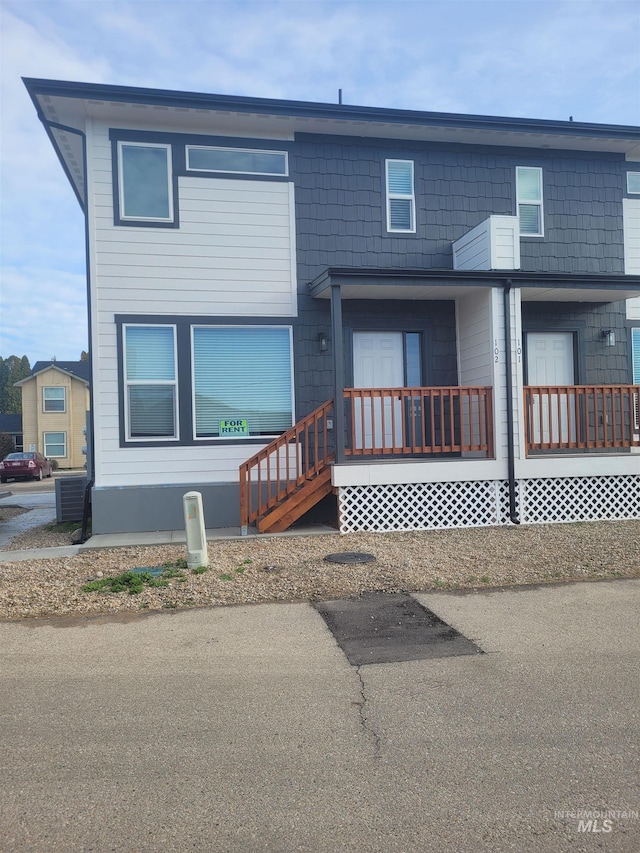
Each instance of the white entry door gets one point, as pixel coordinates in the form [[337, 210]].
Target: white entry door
[[378, 362], [550, 361]]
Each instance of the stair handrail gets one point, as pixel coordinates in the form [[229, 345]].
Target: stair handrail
[[277, 476]]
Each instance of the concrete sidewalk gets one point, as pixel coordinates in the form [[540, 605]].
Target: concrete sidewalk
[[157, 537], [245, 730]]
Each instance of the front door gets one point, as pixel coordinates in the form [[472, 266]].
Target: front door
[[378, 362], [550, 361]]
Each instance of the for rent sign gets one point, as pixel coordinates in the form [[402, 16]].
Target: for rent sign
[[234, 428]]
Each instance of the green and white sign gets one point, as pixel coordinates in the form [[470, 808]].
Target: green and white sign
[[238, 427]]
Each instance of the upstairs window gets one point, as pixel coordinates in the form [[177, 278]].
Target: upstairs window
[[633, 182], [54, 399], [529, 200], [635, 356], [401, 204], [145, 182], [236, 161], [150, 382]]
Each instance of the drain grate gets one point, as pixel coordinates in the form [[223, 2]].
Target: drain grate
[[383, 628], [350, 557]]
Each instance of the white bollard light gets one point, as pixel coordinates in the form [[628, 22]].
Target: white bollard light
[[194, 526]]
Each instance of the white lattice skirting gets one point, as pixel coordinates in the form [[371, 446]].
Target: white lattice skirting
[[483, 503]]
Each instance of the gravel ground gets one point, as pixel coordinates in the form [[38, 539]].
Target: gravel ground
[[292, 568]]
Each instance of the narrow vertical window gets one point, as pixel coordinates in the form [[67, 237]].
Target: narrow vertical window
[[150, 382], [145, 182], [633, 182], [400, 196], [635, 356], [529, 200]]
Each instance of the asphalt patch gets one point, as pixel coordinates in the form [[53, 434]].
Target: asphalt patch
[[387, 628]]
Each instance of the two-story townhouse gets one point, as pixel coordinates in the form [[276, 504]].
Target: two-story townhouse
[[423, 313], [55, 402]]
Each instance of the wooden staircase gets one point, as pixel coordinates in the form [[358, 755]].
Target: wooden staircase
[[289, 476]]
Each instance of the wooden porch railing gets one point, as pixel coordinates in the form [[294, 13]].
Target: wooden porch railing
[[284, 465], [379, 422], [591, 417], [417, 421]]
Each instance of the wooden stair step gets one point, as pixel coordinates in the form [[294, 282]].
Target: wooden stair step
[[295, 505]]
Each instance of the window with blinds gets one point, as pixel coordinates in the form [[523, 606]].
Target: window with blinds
[[150, 382], [529, 200], [400, 196], [635, 355], [242, 374]]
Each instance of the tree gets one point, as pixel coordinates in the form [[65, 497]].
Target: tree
[[6, 444], [12, 369], [84, 355]]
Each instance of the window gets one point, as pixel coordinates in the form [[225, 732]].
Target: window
[[633, 182], [55, 444], [400, 196], [242, 374], [236, 161], [145, 182], [150, 382], [529, 200], [635, 355], [53, 399]]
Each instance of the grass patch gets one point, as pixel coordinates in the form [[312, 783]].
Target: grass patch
[[200, 570], [134, 582]]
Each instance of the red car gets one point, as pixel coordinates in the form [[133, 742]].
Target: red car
[[28, 464]]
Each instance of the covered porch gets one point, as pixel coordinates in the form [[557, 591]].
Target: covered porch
[[463, 453]]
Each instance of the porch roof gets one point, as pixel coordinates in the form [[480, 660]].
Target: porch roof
[[431, 284]]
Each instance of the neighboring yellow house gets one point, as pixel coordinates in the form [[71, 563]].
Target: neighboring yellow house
[[55, 402]]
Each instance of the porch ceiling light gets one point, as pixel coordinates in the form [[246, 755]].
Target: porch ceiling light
[[609, 337]]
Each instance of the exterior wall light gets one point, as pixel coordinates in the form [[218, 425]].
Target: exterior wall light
[[323, 341], [609, 337]]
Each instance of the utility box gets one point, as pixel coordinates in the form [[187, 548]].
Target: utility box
[[70, 498], [194, 526]]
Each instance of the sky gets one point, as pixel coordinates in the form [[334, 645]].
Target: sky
[[547, 59]]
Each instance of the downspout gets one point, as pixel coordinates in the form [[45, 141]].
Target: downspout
[[84, 203], [511, 466]]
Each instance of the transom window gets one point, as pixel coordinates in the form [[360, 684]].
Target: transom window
[[55, 444], [145, 182], [633, 182], [237, 161], [242, 379], [400, 196], [529, 200], [54, 399], [150, 375]]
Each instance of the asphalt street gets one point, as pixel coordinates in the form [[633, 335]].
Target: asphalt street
[[246, 729]]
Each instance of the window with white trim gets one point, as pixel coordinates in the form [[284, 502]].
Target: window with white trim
[[145, 182], [242, 374], [529, 201], [635, 356], [54, 398], [236, 161], [633, 182], [55, 444], [151, 384], [401, 204]]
